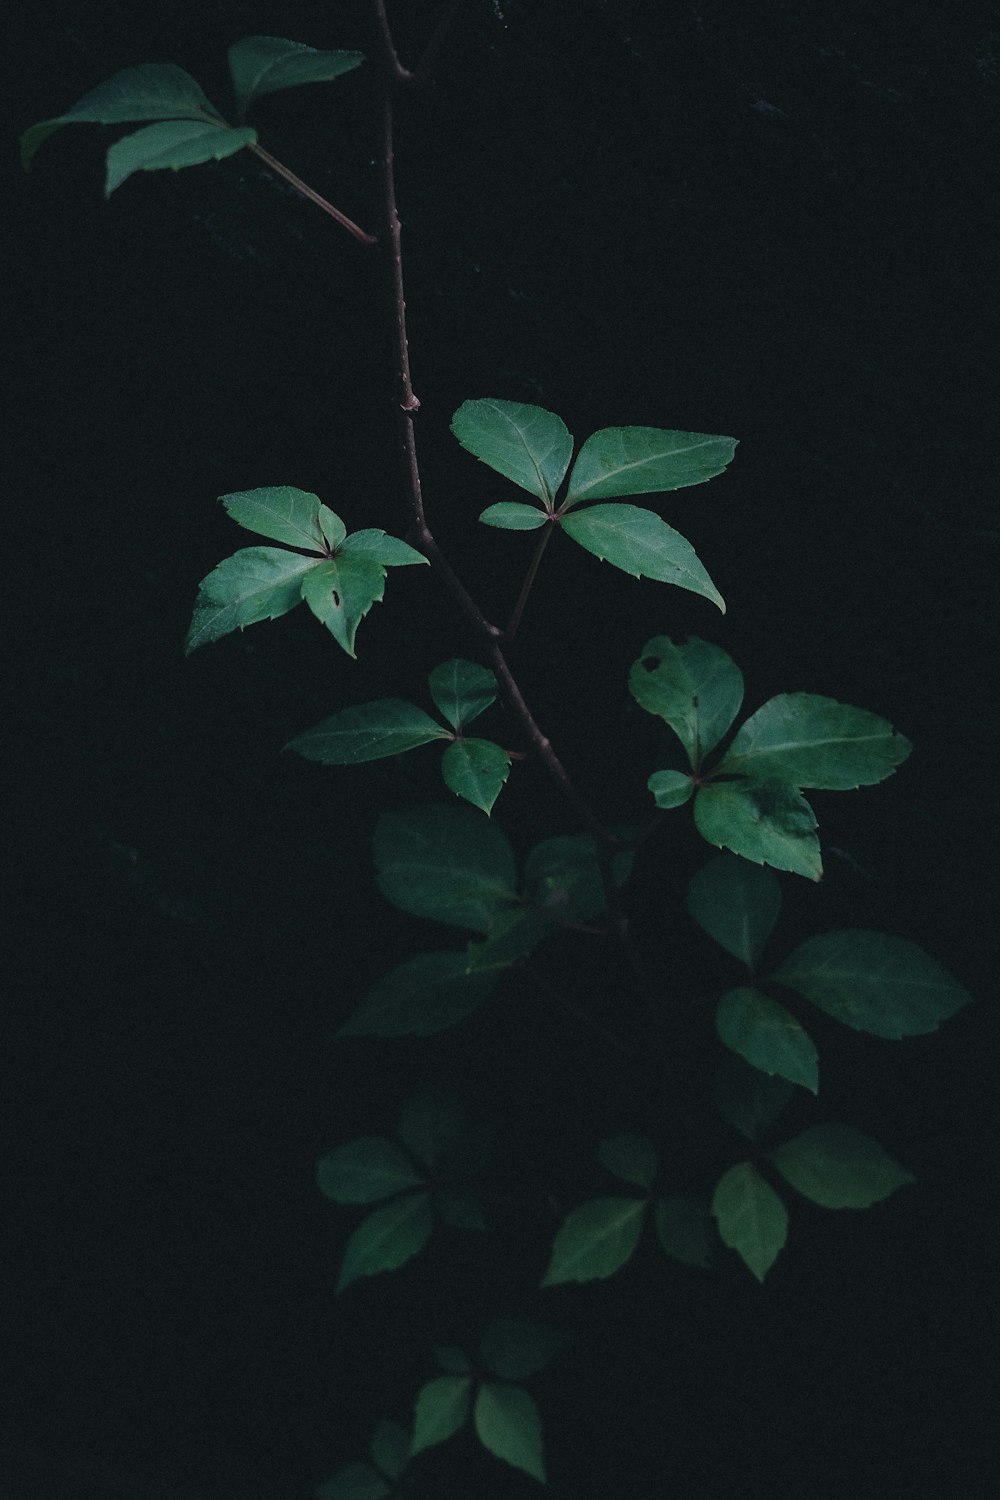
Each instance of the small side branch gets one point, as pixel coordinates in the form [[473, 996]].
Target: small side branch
[[361, 235]]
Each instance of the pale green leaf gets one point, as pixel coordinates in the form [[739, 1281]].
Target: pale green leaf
[[644, 461], [283, 513], [369, 731], [448, 863], [809, 741], [263, 64], [670, 788], [513, 515], [526, 444], [441, 1409], [357, 1481], [387, 1238], [595, 1240], [172, 144], [873, 982], [837, 1166], [462, 690], [365, 1171], [747, 1098], [151, 91], [766, 823], [256, 583], [684, 1228], [423, 995], [633, 1158], [737, 904], [694, 687], [640, 543], [517, 1348], [751, 1217], [390, 1448], [475, 770], [767, 1036], [507, 1421]]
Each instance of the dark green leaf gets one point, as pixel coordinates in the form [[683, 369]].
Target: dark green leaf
[[873, 982], [387, 1238], [508, 1424], [441, 1409], [377, 546], [684, 1228], [526, 444], [462, 690], [737, 904], [390, 1448], [431, 1126], [809, 741], [448, 863], [767, 1036], [644, 461], [419, 997], [172, 144], [517, 1348], [595, 1240], [370, 731], [695, 688], [747, 1098], [640, 543], [341, 590], [670, 788], [285, 514], [633, 1158], [513, 935], [263, 64], [562, 878], [365, 1171], [475, 770], [513, 515], [837, 1166], [768, 824], [358, 1481], [751, 1217]]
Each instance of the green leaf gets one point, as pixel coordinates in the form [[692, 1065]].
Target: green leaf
[[695, 688], [513, 936], [508, 1424], [476, 771], [172, 144], [444, 862], [441, 1409], [767, 1036], [421, 996], [684, 1228], [387, 1238], [751, 1217], [462, 690], [256, 583], [562, 878], [369, 731], [264, 64], [152, 91], [390, 1448], [640, 543], [747, 1098], [526, 444], [285, 514], [645, 461], [517, 1348], [512, 515], [377, 546], [633, 1158], [595, 1240], [873, 982], [358, 1481], [737, 904], [766, 823], [340, 591], [837, 1166], [365, 1171], [670, 788], [811, 741]]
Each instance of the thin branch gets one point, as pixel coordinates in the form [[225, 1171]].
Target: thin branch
[[359, 234], [418, 75], [529, 578]]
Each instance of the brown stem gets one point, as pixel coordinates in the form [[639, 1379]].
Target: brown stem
[[361, 235]]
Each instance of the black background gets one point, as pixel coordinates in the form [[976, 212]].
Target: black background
[[766, 220]]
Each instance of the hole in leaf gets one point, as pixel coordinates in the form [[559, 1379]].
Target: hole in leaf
[[651, 663]]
